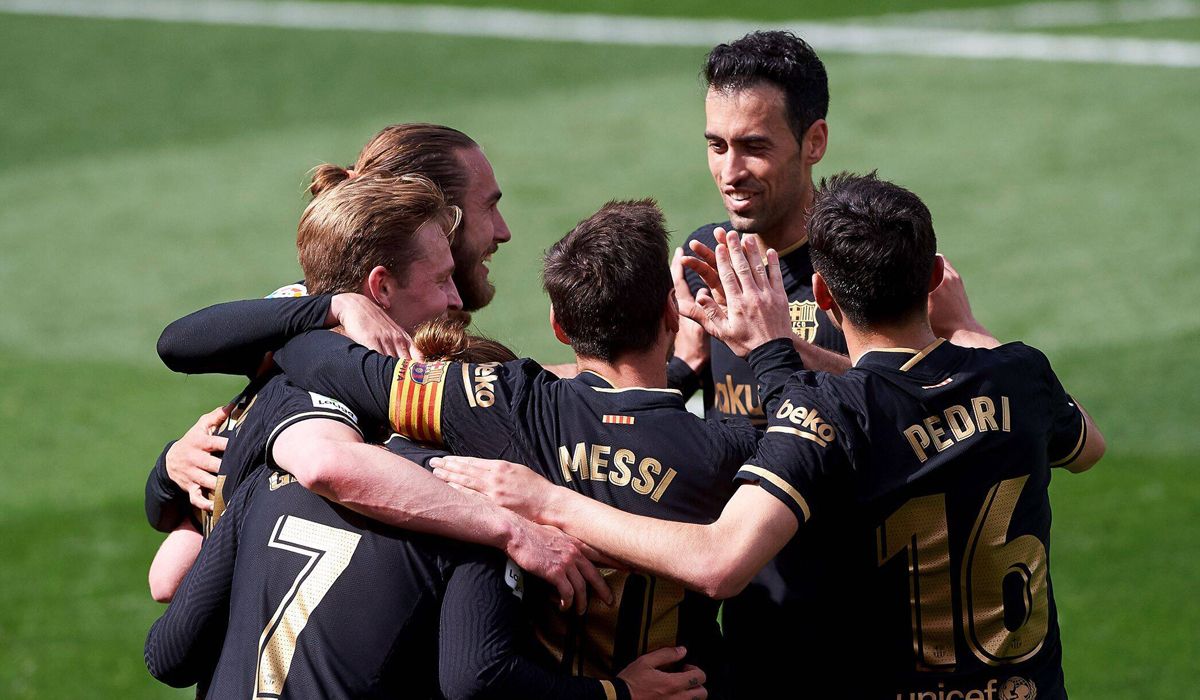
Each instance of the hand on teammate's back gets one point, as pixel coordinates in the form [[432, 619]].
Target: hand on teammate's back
[[648, 681], [544, 551], [368, 325], [745, 304], [191, 463]]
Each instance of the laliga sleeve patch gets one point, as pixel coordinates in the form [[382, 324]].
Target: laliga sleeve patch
[[289, 291], [325, 402]]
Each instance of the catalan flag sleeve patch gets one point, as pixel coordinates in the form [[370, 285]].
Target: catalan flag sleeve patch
[[618, 420], [415, 405]]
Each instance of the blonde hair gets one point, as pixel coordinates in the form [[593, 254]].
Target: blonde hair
[[361, 222], [447, 339]]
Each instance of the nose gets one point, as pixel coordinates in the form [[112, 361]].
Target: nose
[[453, 300], [733, 168], [500, 232]]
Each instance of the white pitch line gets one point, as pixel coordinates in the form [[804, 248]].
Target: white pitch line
[[1068, 13], [607, 29]]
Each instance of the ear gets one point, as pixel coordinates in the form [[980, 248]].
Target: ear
[[939, 271], [671, 313], [558, 331], [379, 286], [821, 293], [815, 141]]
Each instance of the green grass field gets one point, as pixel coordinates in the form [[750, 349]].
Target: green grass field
[[149, 169]]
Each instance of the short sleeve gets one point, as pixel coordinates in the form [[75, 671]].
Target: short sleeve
[[294, 405], [1068, 429], [485, 405], [798, 454]]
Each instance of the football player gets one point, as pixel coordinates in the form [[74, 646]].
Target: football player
[[921, 473]]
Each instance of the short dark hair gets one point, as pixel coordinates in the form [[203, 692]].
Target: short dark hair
[[874, 244], [609, 278], [781, 59]]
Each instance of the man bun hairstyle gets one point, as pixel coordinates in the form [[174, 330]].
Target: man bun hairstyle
[[447, 339], [778, 58], [359, 223], [609, 279], [873, 243]]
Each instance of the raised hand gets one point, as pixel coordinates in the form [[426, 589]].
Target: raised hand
[[950, 313], [751, 307]]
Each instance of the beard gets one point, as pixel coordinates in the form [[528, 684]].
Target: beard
[[474, 287]]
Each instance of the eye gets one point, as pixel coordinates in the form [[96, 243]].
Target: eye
[[716, 146]]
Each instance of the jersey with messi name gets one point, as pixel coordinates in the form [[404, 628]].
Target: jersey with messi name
[[635, 449], [926, 473], [734, 391], [296, 596]]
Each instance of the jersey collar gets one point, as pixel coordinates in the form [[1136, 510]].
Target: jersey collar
[[599, 383], [902, 359]]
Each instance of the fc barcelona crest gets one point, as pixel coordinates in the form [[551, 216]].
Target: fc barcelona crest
[[804, 319]]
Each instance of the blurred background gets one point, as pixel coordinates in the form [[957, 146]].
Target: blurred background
[[153, 159]]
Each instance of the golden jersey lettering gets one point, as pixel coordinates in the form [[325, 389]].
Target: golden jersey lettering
[[481, 389], [737, 399], [958, 423], [809, 423], [620, 467], [415, 404], [1015, 688]]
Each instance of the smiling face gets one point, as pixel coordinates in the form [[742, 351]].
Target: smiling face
[[760, 169], [428, 290], [483, 230]]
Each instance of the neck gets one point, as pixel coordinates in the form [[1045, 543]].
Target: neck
[[860, 341], [793, 230], [642, 369]]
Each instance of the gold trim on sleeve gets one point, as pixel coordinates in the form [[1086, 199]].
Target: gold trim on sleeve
[[782, 485], [610, 692], [1078, 448]]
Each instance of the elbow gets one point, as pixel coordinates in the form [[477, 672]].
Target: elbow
[[164, 669], [161, 590], [723, 577], [171, 350], [318, 469]]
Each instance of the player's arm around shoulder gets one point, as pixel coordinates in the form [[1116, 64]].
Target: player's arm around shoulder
[[717, 559]]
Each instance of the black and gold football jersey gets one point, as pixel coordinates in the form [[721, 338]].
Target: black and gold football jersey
[[296, 596], [920, 482], [637, 449]]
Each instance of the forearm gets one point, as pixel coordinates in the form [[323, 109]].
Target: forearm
[[233, 337], [166, 504], [819, 359], [388, 488], [685, 552]]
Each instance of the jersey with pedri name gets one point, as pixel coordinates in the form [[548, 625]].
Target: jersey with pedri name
[[926, 473]]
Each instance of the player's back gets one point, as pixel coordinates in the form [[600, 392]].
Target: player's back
[[928, 475], [327, 603], [637, 449]]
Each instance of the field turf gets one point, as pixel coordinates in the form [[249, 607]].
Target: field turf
[[149, 169]]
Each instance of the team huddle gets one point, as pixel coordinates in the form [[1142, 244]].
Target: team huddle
[[394, 507]]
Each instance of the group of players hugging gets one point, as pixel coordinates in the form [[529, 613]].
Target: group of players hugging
[[396, 508]]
